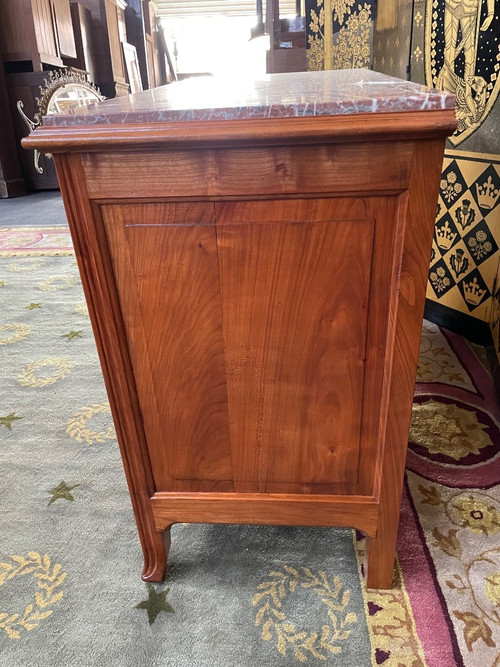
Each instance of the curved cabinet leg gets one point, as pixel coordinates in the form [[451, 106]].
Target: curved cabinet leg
[[155, 555]]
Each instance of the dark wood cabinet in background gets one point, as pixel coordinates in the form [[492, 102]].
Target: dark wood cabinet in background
[[35, 33], [83, 30], [11, 181]]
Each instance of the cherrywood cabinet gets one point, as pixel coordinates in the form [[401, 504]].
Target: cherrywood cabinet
[[256, 279]]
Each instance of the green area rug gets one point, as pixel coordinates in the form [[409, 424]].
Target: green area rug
[[234, 596]]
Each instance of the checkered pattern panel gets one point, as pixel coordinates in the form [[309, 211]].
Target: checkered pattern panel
[[465, 255]]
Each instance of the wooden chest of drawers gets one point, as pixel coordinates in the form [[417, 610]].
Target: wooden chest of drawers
[[255, 264]]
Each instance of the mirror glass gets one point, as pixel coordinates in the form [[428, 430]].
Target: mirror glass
[[69, 96]]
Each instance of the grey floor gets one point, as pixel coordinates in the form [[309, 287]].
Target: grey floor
[[37, 209]]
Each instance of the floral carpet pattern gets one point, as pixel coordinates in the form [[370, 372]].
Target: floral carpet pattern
[[249, 596]]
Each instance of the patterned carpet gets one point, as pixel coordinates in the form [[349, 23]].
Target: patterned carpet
[[234, 596]]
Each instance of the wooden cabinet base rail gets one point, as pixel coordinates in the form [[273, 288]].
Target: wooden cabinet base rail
[[265, 509], [256, 287]]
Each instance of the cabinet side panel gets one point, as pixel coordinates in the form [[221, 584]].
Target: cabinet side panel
[[388, 214], [295, 279], [165, 263]]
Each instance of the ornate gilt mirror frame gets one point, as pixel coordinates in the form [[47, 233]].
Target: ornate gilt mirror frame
[[62, 91]]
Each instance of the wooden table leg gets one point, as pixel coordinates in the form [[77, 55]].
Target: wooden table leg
[[155, 555], [379, 563], [381, 550]]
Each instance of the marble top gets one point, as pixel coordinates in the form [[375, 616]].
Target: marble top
[[273, 96]]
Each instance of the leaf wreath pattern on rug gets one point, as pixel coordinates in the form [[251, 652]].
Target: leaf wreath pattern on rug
[[448, 431], [303, 644], [81, 308], [48, 580], [55, 283], [13, 332], [22, 265], [28, 377], [77, 426]]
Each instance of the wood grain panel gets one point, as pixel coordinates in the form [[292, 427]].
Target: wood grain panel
[[249, 171], [167, 277], [270, 509], [295, 280]]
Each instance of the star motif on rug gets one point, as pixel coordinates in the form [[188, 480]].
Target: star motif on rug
[[62, 491], [32, 306], [155, 603], [8, 419], [73, 334]]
